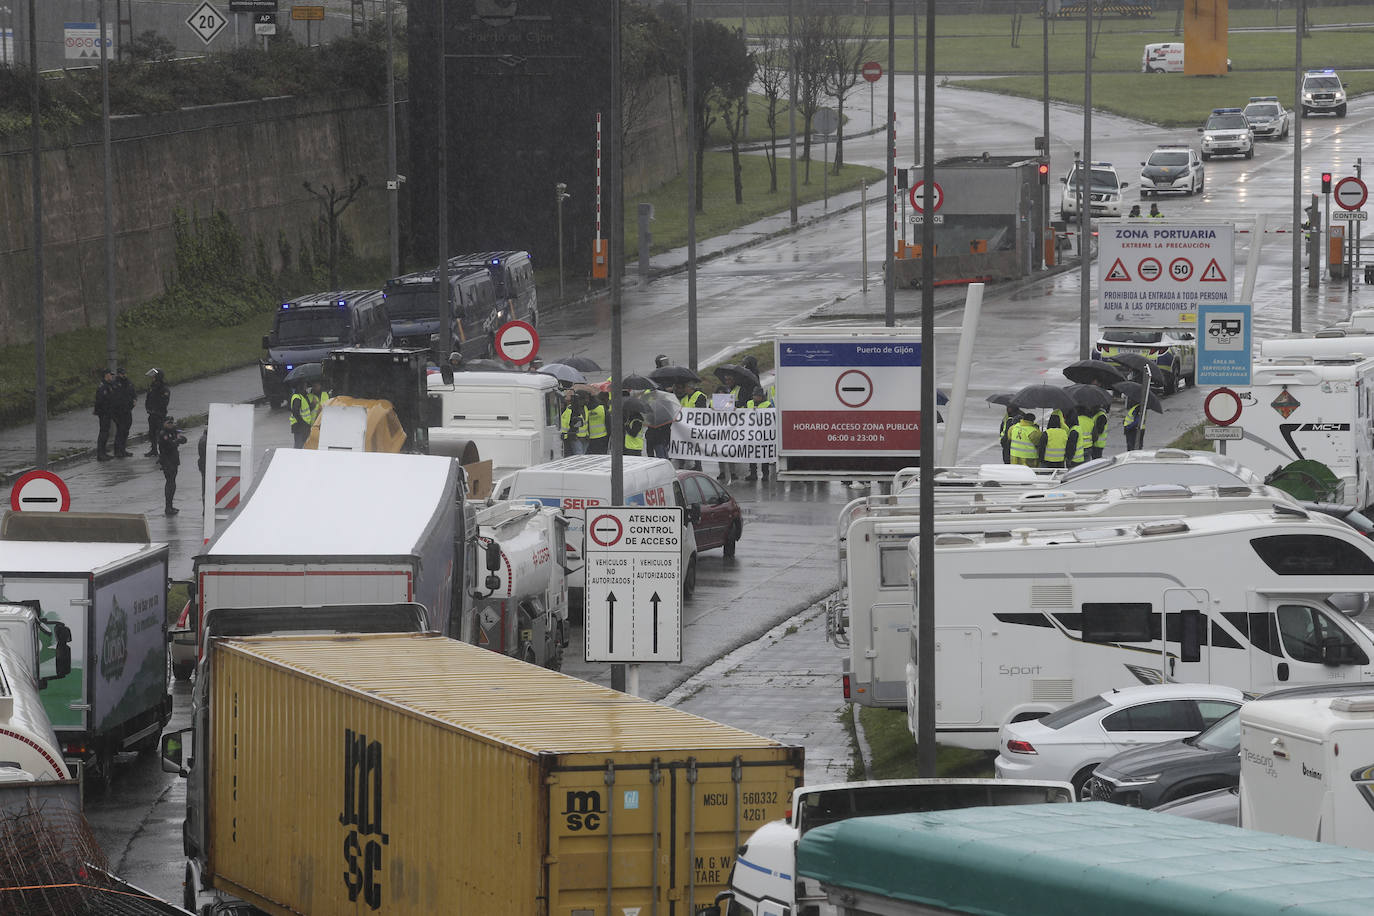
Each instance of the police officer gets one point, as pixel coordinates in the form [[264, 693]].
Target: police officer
[[155, 402], [661, 360], [1135, 212], [598, 432], [759, 401], [572, 424], [123, 400], [1099, 442], [1025, 441], [1154, 211], [169, 443], [104, 413]]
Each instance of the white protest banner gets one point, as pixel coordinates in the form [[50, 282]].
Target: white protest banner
[[726, 435]]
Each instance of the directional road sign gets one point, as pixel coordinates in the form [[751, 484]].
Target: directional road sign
[[40, 491], [1350, 193], [517, 342], [633, 596], [207, 22]]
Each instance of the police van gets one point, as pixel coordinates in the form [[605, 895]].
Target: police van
[[512, 275], [305, 330], [580, 482], [413, 306]]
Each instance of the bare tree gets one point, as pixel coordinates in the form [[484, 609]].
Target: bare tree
[[810, 63], [847, 49], [650, 51], [333, 203], [734, 76], [771, 72]]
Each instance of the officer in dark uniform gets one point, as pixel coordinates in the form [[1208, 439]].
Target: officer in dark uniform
[[123, 401], [169, 442], [155, 402], [104, 413]]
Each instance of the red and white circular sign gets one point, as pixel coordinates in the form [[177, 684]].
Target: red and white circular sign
[[40, 491], [517, 342], [918, 196], [606, 530], [1351, 193], [872, 71], [1226, 409]]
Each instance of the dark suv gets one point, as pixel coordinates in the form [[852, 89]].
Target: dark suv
[[1145, 777]]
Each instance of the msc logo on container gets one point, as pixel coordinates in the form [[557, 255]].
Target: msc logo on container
[[583, 810], [362, 811]]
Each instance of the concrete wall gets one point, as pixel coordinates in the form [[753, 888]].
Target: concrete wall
[[249, 160]]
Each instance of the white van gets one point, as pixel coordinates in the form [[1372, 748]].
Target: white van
[[575, 483], [1166, 57]]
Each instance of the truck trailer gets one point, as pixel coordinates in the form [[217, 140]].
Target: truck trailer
[[112, 599], [321, 527], [523, 609], [423, 775]]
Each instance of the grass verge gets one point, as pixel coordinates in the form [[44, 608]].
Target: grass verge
[[894, 749]]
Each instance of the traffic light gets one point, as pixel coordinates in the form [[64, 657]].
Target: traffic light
[[902, 179], [1326, 182], [1043, 170]]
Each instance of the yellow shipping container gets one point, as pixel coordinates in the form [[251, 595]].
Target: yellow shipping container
[[416, 774]]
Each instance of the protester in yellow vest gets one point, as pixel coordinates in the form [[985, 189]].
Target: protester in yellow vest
[[634, 435], [598, 434], [1025, 441], [1099, 434], [759, 401], [1083, 449], [1058, 442], [305, 407]]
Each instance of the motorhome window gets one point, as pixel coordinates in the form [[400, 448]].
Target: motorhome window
[[894, 567], [1108, 622], [1312, 555], [326, 325], [1307, 632], [1166, 716], [1073, 712]]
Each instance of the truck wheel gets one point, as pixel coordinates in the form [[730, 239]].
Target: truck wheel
[[689, 578], [1340, 112], [731, 538]]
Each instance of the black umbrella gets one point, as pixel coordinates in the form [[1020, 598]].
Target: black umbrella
[[1131, 391], [1041, 395], [1001, 398], [941, 398], [663, 408], [1135, 362], [636, 382], [671, 375], [581, 363], [1091, 396], [636, 406], [563, 373], [1088, 371], [306, 372], [746, 376]]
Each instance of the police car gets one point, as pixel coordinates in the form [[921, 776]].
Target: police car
[[1267, 117], [1323, 92], [1227, 133], [1104, 192], [1172, 168], [1169, 348]]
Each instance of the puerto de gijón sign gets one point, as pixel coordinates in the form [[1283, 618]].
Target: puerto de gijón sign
[[1158, 275], [850, 395]]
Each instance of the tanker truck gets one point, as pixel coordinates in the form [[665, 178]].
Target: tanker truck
[[523, 609]]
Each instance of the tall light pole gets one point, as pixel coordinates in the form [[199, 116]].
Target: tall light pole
[[792, 112], [1085, 210], [445, 304], [1298, 234], [40, 334], [111, 335], [560, 193], [691, 189], [925, 622], [889, 256], [393, 181]]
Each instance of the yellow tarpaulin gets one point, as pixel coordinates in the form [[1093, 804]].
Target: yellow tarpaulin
[[384, 432]]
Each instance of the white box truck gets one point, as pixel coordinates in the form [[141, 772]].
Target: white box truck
[[1029, 621], [871, 615], [1307, 767], [326, 528], [112, 597]]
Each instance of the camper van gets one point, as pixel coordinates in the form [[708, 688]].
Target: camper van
[[1028, 621], [580, 482], [1307, 767], [1317, 406], [871, 614]]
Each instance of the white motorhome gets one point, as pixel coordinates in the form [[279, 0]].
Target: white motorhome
[[512, 418], [1029, 621], [1307, 766], [872, 613], [1315, 405], [1127, 469]]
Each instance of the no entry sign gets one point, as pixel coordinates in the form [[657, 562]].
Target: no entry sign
[[873, 71], [517, 342], [1351, 193], [40, 491], [918, 196]]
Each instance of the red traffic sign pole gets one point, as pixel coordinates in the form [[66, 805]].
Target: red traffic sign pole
[[872, 71], [1351, 193]]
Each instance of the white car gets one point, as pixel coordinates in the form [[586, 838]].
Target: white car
[[1323, 92], [1069, 743], [1227, 133], [1172, 168], [1104, 192], [1267, 117]]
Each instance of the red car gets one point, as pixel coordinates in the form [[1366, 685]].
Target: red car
[[721, 522]]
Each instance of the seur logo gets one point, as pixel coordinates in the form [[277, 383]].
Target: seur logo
[[114, 650], [583, 810], [362, 811]]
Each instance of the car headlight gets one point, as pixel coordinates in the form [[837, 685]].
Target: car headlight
[[1340, 96], [1137, 781], [1307, 96]]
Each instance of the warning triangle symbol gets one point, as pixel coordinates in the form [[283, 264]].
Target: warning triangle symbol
[[1213, 273], [1118, 272]]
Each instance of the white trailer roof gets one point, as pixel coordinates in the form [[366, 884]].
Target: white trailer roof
[[76, 557], [312, 503]]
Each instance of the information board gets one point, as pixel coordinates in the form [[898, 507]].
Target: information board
[[633, 596], [1158, 274]]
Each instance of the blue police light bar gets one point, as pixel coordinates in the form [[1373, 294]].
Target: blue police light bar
[[1225, 110], [286, 305], [342, 303], [1264, 98]]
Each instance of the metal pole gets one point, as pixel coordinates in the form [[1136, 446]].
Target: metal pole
[[915, 83], [1045, 126], [1297, 173], [1085, 209], [40, 335], [890, 255], [561, 193], [615, 252], [863, 229], [111, 333], [445, 305], [393, 185], [692, 191], [925, 623], [792, 111]]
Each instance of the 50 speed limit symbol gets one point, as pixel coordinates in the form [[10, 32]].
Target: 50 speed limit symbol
[[1180, 269]]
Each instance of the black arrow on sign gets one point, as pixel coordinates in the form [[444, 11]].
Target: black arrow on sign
[[654, 601], [610, 617]]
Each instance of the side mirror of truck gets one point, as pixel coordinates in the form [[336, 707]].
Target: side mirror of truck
[[173, 745], [1336, 652], [63, 659], [267, 341]]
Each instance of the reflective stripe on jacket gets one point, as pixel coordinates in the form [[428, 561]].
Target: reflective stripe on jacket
[[1023, 438]]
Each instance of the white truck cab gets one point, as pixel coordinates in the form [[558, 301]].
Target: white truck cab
[[512, 418]]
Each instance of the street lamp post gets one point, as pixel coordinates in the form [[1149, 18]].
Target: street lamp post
[[560, 194]]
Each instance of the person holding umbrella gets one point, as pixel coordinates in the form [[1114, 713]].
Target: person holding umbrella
[[689, 394], [305, 407], [1009, 421], [1133, 425]]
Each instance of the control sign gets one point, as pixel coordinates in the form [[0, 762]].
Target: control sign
[[918, 196], [517, 342], [1351, 193], [633, 597], [1158, 274], [40, 491]]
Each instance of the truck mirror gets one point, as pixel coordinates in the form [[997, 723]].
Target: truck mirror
[[172, 752], [493, 557], [267, 341], [1335, 652]]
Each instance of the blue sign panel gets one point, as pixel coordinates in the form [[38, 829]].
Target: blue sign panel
[[1223, 344]]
